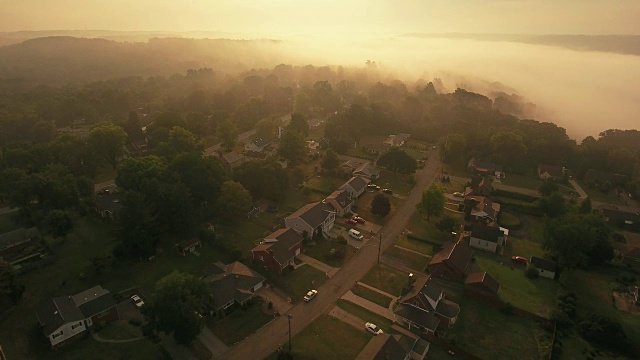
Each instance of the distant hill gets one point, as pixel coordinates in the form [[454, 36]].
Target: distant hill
[[62, 59]]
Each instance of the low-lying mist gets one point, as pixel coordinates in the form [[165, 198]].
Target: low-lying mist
[[585, 92]]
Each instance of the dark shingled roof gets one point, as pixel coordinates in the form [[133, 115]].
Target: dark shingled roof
[[383, 347], [233, 284], [18, 236], [614, 213], [457, 255], [313, 214], [357, 183], [94, 301], [484, 166], [484, 232], [552, 170], [544, 264], [280, 243], [448, 308], [483, 279], [342, 197], [417, 316]]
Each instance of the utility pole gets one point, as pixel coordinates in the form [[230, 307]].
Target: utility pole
[[379, 245], [289, 316]]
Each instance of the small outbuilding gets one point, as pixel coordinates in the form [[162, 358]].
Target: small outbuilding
[[546, 268]]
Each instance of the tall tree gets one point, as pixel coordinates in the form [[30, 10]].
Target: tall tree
[[585, 206], [432, 201], [452, 147], [262, 178], [292, 147], [395, 159], [107, 142], [380, 205], [227, 133], [59, 223], [330, 160], [133, 128], [298, 123], [234, 201], [138, 229]]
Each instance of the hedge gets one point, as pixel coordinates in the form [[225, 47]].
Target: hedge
[[515, 195], [432, 242]]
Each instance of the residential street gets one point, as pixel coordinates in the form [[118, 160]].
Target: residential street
[[275, 334]]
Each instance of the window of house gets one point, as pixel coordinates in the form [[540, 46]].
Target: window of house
[[261, 258], [74, 326], [58, 334]]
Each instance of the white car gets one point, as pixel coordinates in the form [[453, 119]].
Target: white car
[[310, 295], [137, 301], [373, 328]]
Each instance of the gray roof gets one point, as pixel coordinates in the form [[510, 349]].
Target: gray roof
[[485, 232], [418, 316], [233, 284], [367, 169], [484, 280], [313, 214], [94, 301], [357, 183], [232, 157], [383, 347], [341, 197], [281, 248], [544, 264], [18, 236], [447, 308], [110, 202], [482, 165], [261, 142]]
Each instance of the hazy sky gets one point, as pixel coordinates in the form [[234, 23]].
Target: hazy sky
[[287, 17]]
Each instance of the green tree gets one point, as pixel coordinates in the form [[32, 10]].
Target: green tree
[[175, 307], [137, 229], [262, 178], [548, 187], [585, 206], [59, 223], [133, 128], [380, 205], [234, 201], [266, 128], [432, 201], [302, 104], [298, 123], [553, 205], [452, 147], [292, 147], [330, 160], [227, 133], [395, 159], [139, 173], [183, 141], [203, 176], [508, 147], [107, 142]]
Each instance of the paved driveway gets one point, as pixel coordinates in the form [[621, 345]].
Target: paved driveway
[[211, 342]]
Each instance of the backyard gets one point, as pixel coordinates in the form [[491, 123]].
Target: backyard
[[415, 245], [371, 295], [241, 323], [364, 207], [521, 247]]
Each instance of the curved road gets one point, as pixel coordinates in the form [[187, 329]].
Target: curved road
[[275, 334]]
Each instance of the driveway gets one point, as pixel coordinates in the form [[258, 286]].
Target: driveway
[[211, 342], [263, 343], [329, 270], [348, 318]]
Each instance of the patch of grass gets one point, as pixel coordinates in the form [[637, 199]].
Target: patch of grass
[[365, 315], [478, 324], [522, 181], [6, 224], [534, 295], [105, 173], [419, 226], [373, 296], [296, 283], [329, 338], [386, 278], [321, 249], [415, 245], [399, 183], [522, 247], [119, 330], [325, 184], [364, 207], [200, 350], [241, 323], [245, 235], [413, 261], [598, 196], [509, 220]]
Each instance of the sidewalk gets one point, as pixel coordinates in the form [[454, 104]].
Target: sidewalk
[[330, 271], [348, 318]]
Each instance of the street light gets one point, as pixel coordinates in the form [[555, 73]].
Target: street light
[[379, 245], [289, 317]]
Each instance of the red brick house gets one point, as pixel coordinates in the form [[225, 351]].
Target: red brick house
[[278, 250], [483, 285], [551, 172], [453, 262]]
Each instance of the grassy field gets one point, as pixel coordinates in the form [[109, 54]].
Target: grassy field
[[479, 327], [296, 283], [321, 249], [414, 261], [521, 247], [536, 296], [365, 315], [120, 330], [328, 338], [240, 323], [386, 278], [373, 296], [415, 245], [421, 227]]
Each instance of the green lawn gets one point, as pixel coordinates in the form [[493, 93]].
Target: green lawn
[[536, 296], [421, 227], [321, 251], [597, 195], [328, 338], [325, 184], [363, 207], [414, 261], [530, 182], [387, 279], [521, 247], [105, 173], [415, 245], [487, 333], [240, 323], [365, 315], [296, 283], [6, 224], [399, 183], [373, 296], [509, 220], [120, 330]]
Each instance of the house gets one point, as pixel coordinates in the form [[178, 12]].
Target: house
[[479, 186], [481, 209], [393, 140], [315, 218], [257, 144], [374, 149], [186, 247], [486, 237], [356, 186], [257, 155], [232, 284], [367, 170], [108, 204], [15, 241], [424, 307], [551, 172], [278, 250], [485, 168], [618, 217], [341, 202], [599, 177], [314, 123], [629, 255], [481, 284], [546, 268], [67, 317], [396, 346], [232, 160], [452, 262]]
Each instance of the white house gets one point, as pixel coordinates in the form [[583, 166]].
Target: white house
[[487, 238], [313, 218], [546, 268], [355, 186]]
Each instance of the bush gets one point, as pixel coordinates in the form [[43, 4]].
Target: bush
[[603, 331], [135, 322], [532, 272], [446, 223], [507, 308], [341, 239]]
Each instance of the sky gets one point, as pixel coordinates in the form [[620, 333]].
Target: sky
[[303, 17]]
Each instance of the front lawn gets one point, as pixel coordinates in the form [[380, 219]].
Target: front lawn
[[365, 315], [426, 229], [363, 205], [415, 245], [241, 323], [596, 195], [322, 251], [371, 295], [487, 333], [120, 330], [521, 247], [297, 282], [414, 261], [325, 184], [534, 295], [398, 183], [387, 279], [329, 338]]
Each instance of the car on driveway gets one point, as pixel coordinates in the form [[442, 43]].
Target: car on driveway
[[310, 295], [387, 191], [373, 328], [137, 301], [359, 219], [373, 187], [458, 194], [519, 260], [351, 221]]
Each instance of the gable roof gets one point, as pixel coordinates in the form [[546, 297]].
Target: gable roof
[[483, 166], [544, 264], [342, 197], [313, 214], [552, 170], [232, 157], [18, 236], [94, 301], [418, 316], [456, 254], [483, 279], [352, 164], [480, 204], [367, 169], [485, 232], [260, 142], [280, 243], [233, 284], [357, 183], [384, 347], [614, 213]]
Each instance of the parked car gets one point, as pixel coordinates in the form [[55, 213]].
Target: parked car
[[351, 221], [373, 328], [520, 260], [387, 191], [355, 234], [458, 194], [359, 219], [310, 295], [137, 301], [373, 187]]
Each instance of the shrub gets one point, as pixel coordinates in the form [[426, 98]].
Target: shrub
[[603, 331], [531, 272], [135, 322], [507, 308], [446, 223]]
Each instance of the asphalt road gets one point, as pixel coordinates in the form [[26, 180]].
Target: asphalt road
[[275, 334]]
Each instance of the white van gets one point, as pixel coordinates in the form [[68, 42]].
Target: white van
[[355, 234]]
